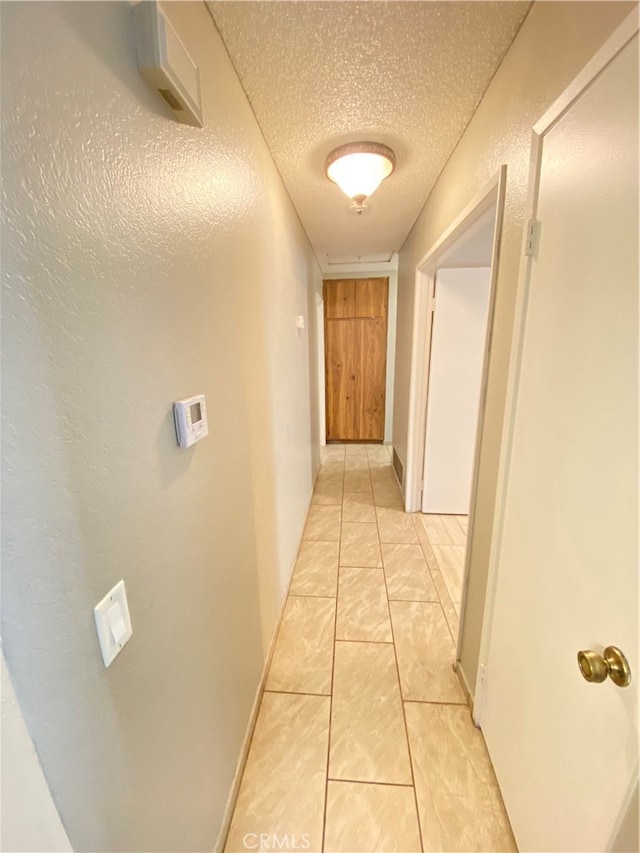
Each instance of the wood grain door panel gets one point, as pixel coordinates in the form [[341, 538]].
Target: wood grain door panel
[[372, 384], [339, 299], [371, 298], [355, 358], [342, 393]]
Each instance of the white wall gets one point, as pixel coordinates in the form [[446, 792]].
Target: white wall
[[555, 41], [380, 271], [455, 377], [144, 261], [30, 821]]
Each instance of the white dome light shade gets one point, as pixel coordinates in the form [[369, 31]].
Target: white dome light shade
[[359, 169]]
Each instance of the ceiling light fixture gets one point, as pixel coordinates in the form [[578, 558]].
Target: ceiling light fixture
[[359, 168]]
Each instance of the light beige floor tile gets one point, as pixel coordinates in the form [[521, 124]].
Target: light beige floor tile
[[332, 452], [451, 563], [463, 521], [323, 522], [357, 480], [457, 535], [387, 495], [368, 742], [458, 798], [356, 449], [435, 530], [330, 472], [451, 614], [328, 492], [408, 578], [443, 530], [363, 612], [358, 506], [396, 526], [316, 569], [359, 545], [303, 656], [425, 544], [426, 653], [356, 465], [383, 475], [357, 452], [283, 784], [378, 457], [365, 818]]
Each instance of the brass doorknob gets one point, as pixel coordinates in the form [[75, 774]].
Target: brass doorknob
[[612, 663]]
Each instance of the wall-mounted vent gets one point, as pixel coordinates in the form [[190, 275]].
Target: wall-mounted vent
[[398, 467], [171, 99], [165, 63]]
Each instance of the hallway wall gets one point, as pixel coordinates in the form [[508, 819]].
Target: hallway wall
[[554, 43], [144, 261]]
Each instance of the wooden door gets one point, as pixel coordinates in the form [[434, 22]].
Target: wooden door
[[565, 751], [355, 335]]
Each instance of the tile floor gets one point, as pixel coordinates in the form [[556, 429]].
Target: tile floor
[[363, 740]]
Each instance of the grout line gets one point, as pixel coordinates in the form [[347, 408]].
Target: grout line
[[463, 704], [404, 716], [369, 782], [333, 669], [364, 568], [301, 595], [420, 528], [311, 595], [367, 642], [297, 693], [304, 539], [417, 600]]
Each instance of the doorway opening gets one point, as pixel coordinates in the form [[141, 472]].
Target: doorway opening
[[453, 318]]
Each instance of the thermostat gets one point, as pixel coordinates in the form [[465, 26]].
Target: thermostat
[[190, 416]]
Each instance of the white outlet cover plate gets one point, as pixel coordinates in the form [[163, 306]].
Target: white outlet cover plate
[[113, 622]]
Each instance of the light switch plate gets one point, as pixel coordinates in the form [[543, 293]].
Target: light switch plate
[[113, 622]]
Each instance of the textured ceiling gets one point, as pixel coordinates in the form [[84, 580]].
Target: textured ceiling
[[408, 74]]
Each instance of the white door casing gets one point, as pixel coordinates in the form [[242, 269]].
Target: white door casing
[[455, 377], [566, 543]]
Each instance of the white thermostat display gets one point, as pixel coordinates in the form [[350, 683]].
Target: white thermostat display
[[190, 416]]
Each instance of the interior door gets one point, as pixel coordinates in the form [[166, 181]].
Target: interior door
[[355, 358], [565, 750], [455, 378]]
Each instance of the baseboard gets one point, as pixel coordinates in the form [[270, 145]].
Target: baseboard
[[221, 840], [462, 678]]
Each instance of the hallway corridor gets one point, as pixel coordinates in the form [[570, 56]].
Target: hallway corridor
[[363, 740]]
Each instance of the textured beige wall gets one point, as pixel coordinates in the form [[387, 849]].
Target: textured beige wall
[[554, 43], [144, 261]]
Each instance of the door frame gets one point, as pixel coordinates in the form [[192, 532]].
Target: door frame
[[596, 65], [493, 193]]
